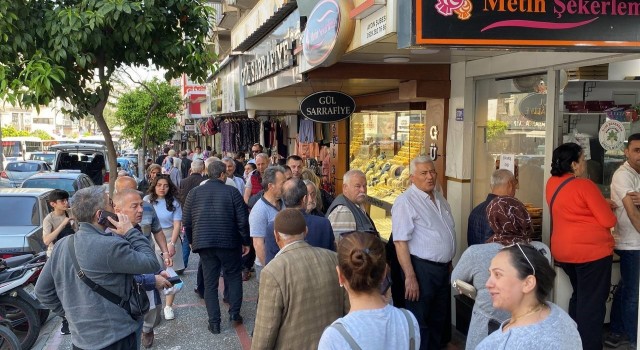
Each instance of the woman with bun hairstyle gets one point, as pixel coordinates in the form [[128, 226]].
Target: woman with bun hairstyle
[[581, 240], [521, 280], [371, 323]]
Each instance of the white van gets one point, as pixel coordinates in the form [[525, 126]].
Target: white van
[[90, 159]]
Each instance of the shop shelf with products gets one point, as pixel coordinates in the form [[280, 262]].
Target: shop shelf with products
[[381, 145]]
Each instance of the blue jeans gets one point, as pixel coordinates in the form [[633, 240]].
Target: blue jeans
[[186, 251], [624, 311]]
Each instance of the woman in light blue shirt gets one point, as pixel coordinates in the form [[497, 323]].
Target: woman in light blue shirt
[[521, 279], [163, 196], [371, 324]]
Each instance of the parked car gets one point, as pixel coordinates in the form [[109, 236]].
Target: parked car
[[68, 180], [48, 157], [90, 159], [23, 211], [16, 172]]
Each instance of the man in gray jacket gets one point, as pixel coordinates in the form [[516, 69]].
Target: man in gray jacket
[[110, 261]]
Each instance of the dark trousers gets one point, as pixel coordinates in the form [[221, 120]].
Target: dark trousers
[[200, 282], [126, 343], [432, 307], [591, 282], [229, 260], [250, 258]]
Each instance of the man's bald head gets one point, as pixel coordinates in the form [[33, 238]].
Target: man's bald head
[[125, 183]]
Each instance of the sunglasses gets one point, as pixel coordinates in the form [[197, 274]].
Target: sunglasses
[[523, 254]]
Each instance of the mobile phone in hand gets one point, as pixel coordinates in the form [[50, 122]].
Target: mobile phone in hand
[[102, 220], [174, 280]]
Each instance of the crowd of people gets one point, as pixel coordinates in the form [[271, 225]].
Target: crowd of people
[[324, 272]]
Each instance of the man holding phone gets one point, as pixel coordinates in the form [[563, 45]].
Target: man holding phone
[[106, 259], [129, 203], [149, 224]]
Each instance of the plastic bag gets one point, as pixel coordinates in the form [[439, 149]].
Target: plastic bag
[[176, 287]]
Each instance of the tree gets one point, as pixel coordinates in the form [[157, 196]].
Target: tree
[[43, 135], [10, 131], [133, 111], [70, 49]]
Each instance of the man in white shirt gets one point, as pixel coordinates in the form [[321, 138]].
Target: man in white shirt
[[238, 182], [625, 188], [424, 238]]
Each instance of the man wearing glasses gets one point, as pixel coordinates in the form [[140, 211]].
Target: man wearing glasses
[[256, 149], [424, 238]]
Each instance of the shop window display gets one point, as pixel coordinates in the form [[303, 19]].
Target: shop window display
[[381, 145]]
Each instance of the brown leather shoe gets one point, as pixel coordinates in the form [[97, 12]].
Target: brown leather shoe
[[147, 339], [246, 275]]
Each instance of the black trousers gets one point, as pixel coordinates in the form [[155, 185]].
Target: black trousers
[[126, 343], [432, 308], [591, 282], [249, 259], [200, 282], [229, 260]]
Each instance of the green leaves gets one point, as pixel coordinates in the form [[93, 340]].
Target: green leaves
[[138, 106]]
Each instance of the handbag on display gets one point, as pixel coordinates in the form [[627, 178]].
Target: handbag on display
[[137, 304]]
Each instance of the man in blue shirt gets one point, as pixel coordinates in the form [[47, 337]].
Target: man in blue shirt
[[503, 183], [319, 231]]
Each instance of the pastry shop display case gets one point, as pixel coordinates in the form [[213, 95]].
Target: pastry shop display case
[[381, 145]]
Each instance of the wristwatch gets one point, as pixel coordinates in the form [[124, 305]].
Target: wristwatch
[[171, 243]]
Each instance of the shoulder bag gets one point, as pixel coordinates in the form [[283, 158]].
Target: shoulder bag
[[354, 346], [553, 199], [136, 305]]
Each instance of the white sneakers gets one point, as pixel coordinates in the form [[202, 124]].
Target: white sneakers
[[168, 313]]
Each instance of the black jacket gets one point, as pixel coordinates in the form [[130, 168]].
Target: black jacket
[[215, 216], [185, 166], [189, 183]]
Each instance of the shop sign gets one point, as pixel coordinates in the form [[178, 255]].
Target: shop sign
[[590, 24], [280, 57], [374, 26], [327, 106], [189, 128], [612, 135], [534, 107], [328, 32]]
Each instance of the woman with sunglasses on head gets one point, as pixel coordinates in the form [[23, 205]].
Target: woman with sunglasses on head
[[520, 281], [371, 322], [581, 240], [510, 223], [163, 196]]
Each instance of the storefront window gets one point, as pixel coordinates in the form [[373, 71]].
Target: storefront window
[[510, 119], [381, 145]]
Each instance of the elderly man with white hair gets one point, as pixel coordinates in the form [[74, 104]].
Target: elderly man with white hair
[[347, 213], [424, 238], [238, 182]]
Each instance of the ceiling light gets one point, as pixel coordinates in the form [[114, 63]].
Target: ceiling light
[[395, 59]]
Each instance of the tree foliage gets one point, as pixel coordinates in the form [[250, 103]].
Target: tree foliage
[[11, 131], [43, 135], [70, 49], [133, 107]]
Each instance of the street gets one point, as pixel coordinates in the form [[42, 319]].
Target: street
[[189, 328]]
